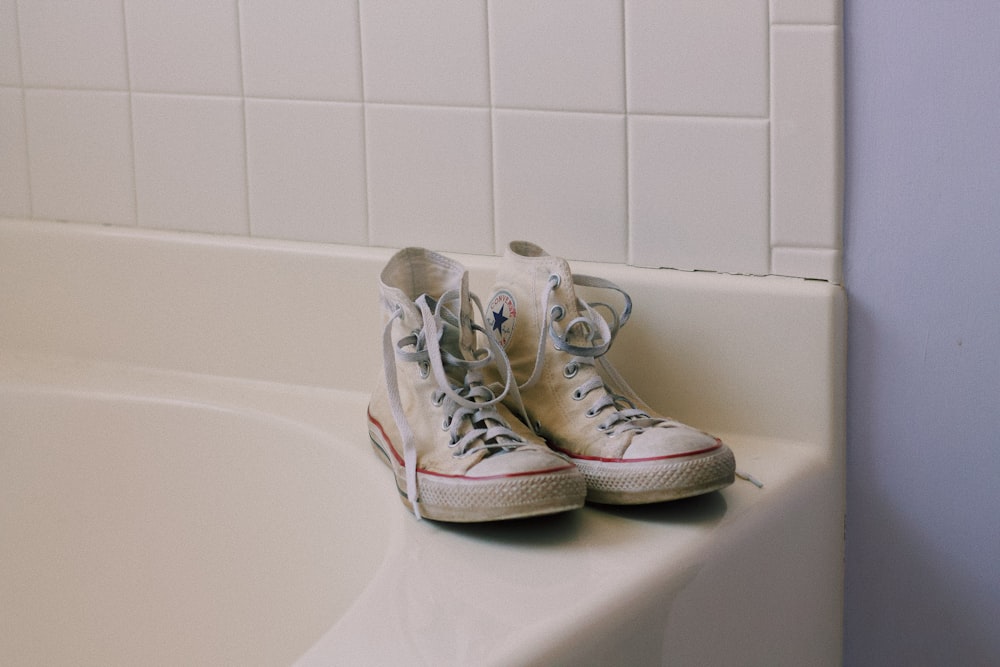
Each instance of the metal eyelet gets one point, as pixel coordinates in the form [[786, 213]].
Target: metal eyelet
[[570, 370], [578, 395], [437, 401], [557, 312], [446, 424], [555, 280], [425, 370], [590, 413]]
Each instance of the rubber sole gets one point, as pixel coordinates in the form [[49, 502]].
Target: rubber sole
[[651, 481], [460, 499]]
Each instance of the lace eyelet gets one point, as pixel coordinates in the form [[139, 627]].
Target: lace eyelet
[[424, 370], [437, 400], [555, 280], [589, 414], [570, 370], [578, 395], [557, 312], [446, 424]]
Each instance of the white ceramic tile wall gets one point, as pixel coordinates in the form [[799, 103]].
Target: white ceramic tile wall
[[678, 218], [695, 134], [558, 55], [805, 193], [560, 180], [425, 52], [306, 170], [14, 194], [311, 53], [429, 177], [73, 44], [80, 156], [190, 172], [697, 57], [183, 46], [10, 54]]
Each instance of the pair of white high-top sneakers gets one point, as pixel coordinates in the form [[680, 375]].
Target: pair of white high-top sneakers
[[521, 415]]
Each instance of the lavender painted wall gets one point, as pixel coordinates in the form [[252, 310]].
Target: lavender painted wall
[[922, 237]]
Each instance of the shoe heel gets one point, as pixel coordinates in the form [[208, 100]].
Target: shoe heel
[[378, 446]]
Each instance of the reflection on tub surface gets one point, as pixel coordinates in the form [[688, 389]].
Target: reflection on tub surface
[[140, 531]]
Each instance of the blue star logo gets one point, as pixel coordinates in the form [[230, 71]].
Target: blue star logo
[[498, 319], [501, 315]]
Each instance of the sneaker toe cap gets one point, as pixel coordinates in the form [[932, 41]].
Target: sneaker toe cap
[[672, 439], [523, 460]]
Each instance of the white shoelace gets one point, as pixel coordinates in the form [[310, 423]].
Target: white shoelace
[[628, 412], [587, 337], [470, 405]]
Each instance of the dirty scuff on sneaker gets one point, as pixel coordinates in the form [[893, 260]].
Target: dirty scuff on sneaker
[[456, 451], [572, 396]]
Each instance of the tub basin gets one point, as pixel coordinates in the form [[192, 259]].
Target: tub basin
[[186, 477], [142, 530]]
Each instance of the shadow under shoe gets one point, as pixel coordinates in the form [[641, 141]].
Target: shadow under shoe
[[576, 400], [456, 452]]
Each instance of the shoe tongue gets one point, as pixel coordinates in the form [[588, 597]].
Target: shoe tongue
[[457, 338], [466, 335]]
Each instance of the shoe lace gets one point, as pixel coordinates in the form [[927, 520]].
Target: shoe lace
[[587, 337], [469, 405]]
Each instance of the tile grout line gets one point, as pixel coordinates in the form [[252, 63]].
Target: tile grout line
[[776, 33], [243, 108], [628, 136], [24, 110], [770, 143], [367, 222], [493, 161], [378, 103], [131, 119]]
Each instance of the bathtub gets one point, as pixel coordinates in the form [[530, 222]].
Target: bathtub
[[186, 477], [144, 528]]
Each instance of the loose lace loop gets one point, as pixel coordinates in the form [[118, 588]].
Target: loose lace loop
[[587, 337], [471, 417]]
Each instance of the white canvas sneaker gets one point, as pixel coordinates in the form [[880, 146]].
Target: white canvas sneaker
[[575, 399], [456, 451]]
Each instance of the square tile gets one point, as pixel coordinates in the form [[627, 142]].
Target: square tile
[[190, 168], [80, 156], [184, 46], [558, 54], [560, 182], [426, 52], [306, 171], [697, 57], [73, 44], [807, 11], [699, 194], [429, 178], [10, 48], [313, 52], [806, 136], [14, 192]]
